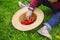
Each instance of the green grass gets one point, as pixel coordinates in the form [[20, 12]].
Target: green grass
[[8, 32]]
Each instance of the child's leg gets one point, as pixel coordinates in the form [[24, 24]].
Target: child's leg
[[54, 20], [49, 25]]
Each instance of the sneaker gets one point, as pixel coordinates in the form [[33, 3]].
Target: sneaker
[[44, 31], [21, 4]]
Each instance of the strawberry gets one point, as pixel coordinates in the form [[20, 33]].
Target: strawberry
[[30, 21], [27, 22], [24, 22], [33, 19]]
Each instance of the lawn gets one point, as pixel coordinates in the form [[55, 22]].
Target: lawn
[[8, 32]]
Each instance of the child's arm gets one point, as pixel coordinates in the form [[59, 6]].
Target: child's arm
[[34, 3], [56, 5]]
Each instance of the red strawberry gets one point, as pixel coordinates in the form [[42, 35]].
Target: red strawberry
[[33, 19], [24, 22], [30, 21], [27, 22]]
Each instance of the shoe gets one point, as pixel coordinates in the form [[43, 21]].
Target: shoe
[[21, 4], [44, 31]]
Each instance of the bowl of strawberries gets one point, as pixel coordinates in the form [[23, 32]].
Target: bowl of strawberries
[[20, 22]]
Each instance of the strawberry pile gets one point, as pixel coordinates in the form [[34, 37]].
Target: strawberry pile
[[27, 22]]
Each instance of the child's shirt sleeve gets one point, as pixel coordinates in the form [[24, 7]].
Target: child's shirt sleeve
[[34, 3], [56, 6]]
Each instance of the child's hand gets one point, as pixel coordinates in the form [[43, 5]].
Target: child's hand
[[28, 14]]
